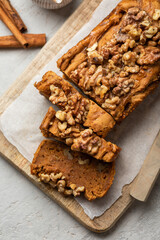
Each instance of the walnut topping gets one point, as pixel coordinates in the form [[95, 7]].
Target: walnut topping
[[129, 58], [105, 52], [57, 95], [156, 14], [58, 180], [78, 190], [61, 115], [70, 119], [101, 91], [87, 142], [54, 177], [128, 28], [148, 55], [61, 185], [95, 57], [130, 43], [135, 33], [111, 103], [62, 126], [152, 43], [136, 43], [134, 69], [145, 24], [156, 37], [44, 177], [133, 11], [135, 14], [151, 31]]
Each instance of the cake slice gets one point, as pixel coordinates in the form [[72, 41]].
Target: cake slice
[[68, 99], [78, 138], [119, 58], [72, 173]]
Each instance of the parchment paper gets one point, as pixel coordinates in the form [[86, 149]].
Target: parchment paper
[[20, 125]]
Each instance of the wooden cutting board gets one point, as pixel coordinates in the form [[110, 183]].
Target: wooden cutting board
[[8, 151]]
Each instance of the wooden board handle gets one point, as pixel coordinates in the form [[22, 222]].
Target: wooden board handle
[[148, 174]]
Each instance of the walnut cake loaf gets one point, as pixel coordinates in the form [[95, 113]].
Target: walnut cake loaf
[[77, 108], [72, 173], [118, 63], [78, 138]]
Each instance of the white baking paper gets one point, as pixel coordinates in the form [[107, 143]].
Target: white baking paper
[[20, 125]]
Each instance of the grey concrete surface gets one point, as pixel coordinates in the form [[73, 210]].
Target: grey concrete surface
[[25, 212]]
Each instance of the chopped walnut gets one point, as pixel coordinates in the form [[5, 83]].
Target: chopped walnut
[[134, 69], [152, 43], [130, 43], [86, 133], [69, 118], [94, 145], [148, 55], [101, 91], [62, 126], [145, 24], [78, 190], [54, 177], [128, 28], [105, 52], [156, 14], [143, 38], [156, 37], [87, 142], [90, 81], [151, 31], [111, 103], [129, 58], [61, 115], [57, 95], [69, 141], [140, 16], [70, 132], [133, 11], [95, 57], [123, 74], [136, 14], [44, 177], [135, 33], [61, 185]]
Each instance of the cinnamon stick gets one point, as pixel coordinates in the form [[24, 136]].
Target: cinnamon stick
[[13, 15], [18, 35], [34, 40]]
